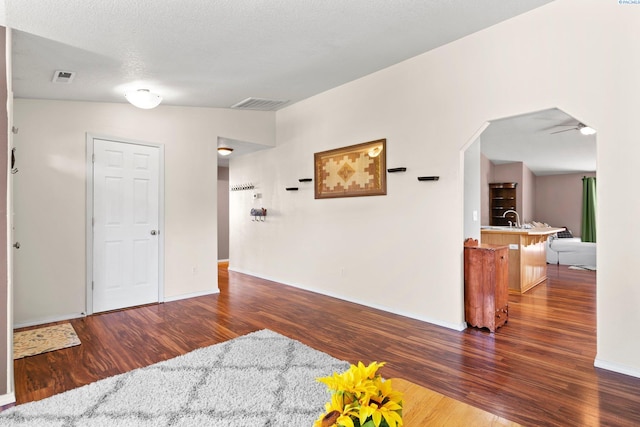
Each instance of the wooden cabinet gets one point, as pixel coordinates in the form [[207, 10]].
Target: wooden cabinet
[[486, 285], [527, 254], [502, 197]]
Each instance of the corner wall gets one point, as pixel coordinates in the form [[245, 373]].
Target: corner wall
[[50, 195], [403, 252], [6, 323], [525, 191], [486, 177], [512, 172], [559, 200]]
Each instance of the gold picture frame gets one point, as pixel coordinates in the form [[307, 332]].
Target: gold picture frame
[[353, 171]]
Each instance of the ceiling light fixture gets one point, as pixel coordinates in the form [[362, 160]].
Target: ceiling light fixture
[[143, 98], [225, 151]]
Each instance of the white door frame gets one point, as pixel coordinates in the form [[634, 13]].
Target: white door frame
[[89, 215]]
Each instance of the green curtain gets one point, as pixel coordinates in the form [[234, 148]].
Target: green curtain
[[589, 209]]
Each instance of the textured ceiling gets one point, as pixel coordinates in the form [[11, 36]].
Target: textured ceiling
[[530, 138], [215, 53]]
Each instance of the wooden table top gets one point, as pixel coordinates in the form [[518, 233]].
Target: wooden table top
[[536, 231], [422, 407]]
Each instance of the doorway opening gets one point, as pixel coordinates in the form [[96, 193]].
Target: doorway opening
[[238, 148], [546, 154]]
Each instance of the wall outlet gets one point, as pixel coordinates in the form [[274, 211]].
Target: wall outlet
[[257, 195]]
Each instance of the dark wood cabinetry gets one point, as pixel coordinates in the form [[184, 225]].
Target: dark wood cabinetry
[[502, 197], [486, 285]]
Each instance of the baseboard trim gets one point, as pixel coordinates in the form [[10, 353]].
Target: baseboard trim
[[52, 319], [455, 326], [192, 295], [616, 367], [7, 399]]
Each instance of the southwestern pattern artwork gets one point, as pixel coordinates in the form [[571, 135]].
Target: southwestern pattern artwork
[[357, 170]]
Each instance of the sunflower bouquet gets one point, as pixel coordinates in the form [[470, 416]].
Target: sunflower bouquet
[[360, 397]]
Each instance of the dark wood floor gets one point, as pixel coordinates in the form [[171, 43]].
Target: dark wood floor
[[536, 370]]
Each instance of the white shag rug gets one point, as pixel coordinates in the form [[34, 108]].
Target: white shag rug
[[262, 379]]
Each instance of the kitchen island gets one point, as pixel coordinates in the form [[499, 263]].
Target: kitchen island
[[527, 253]]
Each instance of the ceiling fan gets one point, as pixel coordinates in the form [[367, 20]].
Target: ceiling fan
[[584, 129]]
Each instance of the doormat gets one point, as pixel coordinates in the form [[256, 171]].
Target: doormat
[[43, 340]]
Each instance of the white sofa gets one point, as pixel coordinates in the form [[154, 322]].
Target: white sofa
[[570, 251]]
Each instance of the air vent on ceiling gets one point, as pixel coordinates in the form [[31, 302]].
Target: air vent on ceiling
[[259, 104], [63, 76]]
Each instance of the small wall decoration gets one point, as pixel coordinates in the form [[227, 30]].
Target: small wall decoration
[[258, 214], [357, 170]]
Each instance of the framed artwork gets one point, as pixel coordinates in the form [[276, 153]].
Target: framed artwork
[[357, 170]]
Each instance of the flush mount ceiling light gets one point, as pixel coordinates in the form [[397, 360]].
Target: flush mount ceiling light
[[225, 151], [143, 98]]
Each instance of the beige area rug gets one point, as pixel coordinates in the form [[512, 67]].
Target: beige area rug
[[42, 340]]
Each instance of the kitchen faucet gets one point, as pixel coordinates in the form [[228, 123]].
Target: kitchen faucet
[[504, 215]]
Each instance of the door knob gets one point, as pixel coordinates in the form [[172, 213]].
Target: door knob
[[154, 232], [16, 245]]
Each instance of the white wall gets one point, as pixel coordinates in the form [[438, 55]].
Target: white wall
[[50, 194], [472, 191], [403, 251], [486, 177], [223, 213], [7, 388]]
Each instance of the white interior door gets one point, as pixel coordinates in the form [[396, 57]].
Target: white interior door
[[125, 225]]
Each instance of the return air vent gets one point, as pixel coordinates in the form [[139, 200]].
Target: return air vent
[[63, 76], [259, 104]]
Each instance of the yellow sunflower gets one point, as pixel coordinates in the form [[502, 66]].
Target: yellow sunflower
[[338, 412], [361, 397]]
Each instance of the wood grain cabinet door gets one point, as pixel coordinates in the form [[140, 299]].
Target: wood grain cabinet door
[[502, 286]]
